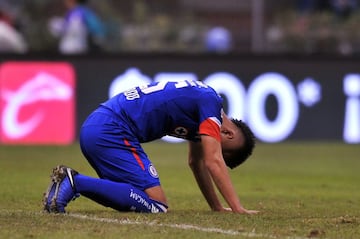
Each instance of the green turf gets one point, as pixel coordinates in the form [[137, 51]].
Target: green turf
[[302, 190]]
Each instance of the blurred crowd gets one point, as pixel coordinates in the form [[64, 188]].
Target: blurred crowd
[[89, 26], [316, 26]]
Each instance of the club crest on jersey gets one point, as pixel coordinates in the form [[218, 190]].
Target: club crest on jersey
[[181, 132], [153, 171]]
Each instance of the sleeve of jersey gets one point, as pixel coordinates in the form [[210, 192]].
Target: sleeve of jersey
[[211, 127]]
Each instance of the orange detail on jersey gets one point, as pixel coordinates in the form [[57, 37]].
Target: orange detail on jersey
[[210, 127], [135, 154]]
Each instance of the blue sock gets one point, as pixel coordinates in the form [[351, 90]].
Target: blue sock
[[119, 196]]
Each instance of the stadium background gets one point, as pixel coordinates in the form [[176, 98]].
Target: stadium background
[[304, 185], [263, 43]]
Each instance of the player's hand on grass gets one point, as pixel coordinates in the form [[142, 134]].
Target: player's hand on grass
[[251, 211], [246, 211], [226, 209], [243, 210]]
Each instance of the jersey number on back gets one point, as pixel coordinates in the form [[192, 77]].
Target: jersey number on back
[[132, 94]]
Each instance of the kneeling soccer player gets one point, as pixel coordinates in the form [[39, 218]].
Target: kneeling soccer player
[[111, 138]]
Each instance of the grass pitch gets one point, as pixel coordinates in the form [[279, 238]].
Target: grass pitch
[[302, 190]]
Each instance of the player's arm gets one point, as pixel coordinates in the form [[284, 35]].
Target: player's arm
[[202, 176], [216, 168], [213, 165]]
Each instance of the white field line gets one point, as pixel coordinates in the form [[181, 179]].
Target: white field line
[[154, 223], [178, 226]]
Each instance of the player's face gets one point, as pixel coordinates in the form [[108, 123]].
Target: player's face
[[231, 141]]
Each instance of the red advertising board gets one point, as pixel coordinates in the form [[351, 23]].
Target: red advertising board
[[37, 103]]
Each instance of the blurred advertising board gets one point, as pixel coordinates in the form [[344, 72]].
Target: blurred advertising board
[[282, 98], [37, 103]]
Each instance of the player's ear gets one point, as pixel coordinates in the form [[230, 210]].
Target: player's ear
[[228, 133]]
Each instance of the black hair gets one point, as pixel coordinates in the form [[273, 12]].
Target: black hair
[[239, 156]]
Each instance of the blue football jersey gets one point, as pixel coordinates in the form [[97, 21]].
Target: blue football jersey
[[169, 108]]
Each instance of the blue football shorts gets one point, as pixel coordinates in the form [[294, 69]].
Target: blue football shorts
[[115, 153]]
